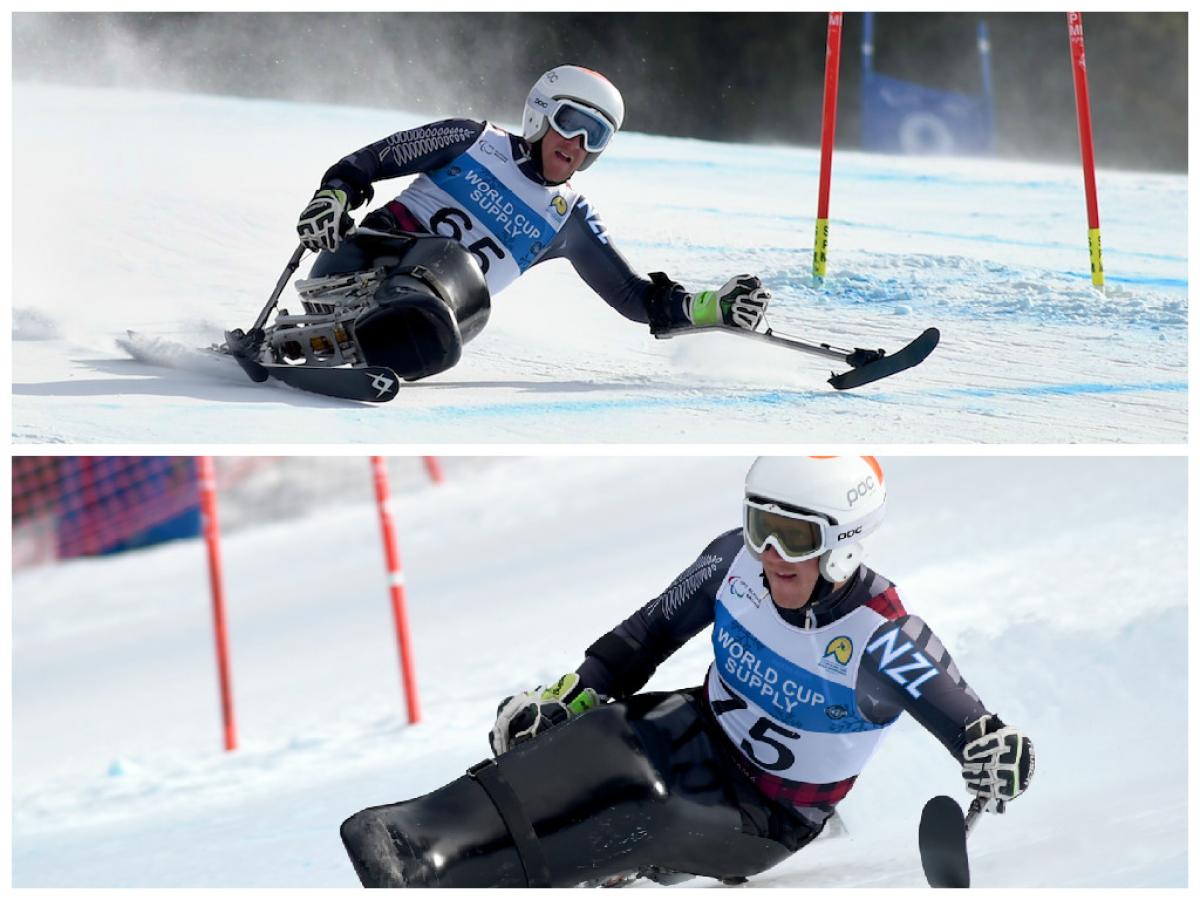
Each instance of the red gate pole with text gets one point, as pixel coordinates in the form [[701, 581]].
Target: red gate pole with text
[[1083, 112], [396, 583], [206, 476], [833, 55]]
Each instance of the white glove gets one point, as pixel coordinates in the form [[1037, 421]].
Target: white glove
[[740, 303], [998, 761], [524, 716], [325, 220]]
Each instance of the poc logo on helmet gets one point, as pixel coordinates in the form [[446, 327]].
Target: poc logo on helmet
[[860, 490]]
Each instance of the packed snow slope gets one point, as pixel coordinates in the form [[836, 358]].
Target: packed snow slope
[[173, 215], [1059, 589]]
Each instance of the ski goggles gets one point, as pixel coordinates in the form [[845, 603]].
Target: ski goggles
[[571, 119], [797, 536]]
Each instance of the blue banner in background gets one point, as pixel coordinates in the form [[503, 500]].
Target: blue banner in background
[[906, 117], [111, 504], [903, 117]]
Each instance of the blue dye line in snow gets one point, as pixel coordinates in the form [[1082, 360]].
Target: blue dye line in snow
[[1066, 390], [925, 178], [1150, 280], [780, 399], [1013, 242], [953, 235], [710, 248], [788, 166]]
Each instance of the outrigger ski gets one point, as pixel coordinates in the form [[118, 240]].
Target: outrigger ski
[[866, 365], [943, 841]]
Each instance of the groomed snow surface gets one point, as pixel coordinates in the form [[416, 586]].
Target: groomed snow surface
[[1058, 584], [173, 215]]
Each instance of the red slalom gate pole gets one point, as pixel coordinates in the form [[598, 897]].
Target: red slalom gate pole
[[206, 474], [396, 582], [833, 55], [1083, 111], [434, 468]]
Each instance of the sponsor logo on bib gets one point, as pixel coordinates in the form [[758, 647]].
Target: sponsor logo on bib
[[838, 654]]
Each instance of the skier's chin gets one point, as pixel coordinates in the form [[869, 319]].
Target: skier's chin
[[788, 588], [560, 169]]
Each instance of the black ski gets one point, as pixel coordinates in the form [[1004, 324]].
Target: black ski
[[866, 365], [943, 841], [913, 353], [371, 384]]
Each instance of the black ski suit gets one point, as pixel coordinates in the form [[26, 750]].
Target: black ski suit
[[650, 784]]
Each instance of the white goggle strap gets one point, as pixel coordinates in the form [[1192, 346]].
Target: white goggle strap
[[839, 535], [547, 106]]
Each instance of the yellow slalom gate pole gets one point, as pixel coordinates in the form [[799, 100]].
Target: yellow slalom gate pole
[[1094, 256], [820, 249]]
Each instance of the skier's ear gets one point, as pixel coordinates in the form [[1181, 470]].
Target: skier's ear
[[840, 563]]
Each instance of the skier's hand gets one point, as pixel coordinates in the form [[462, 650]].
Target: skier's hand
[[325, 220], [740, 303], [997, 761], [525, 716]]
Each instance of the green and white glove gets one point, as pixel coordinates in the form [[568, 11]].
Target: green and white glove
[[325, 220], [740, 303], [997, 762], [525, 716]]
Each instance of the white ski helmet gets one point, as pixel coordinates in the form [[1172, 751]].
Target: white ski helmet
[[813, 506], [576, 101]]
